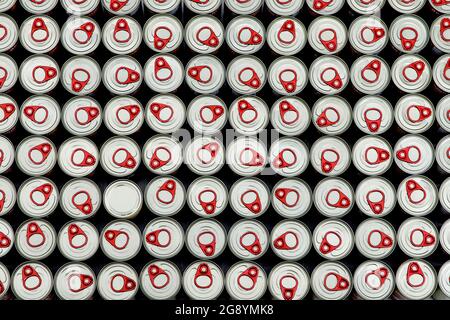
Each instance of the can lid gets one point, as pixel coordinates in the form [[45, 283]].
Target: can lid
[[80, 35], [78, 240], [40, 114], [39, 34], [80, 198], [288, 281], [123, 199], [39, 73], [77, 8], [165, 195], [163, 32], [9, 32], [7, 238], [164, 238], [203, 280], [29, 270], [120, 240], [162, 7], [117, 281], [331, 281], [8, 72], [8, 113], [160, 279], [80, 75], [5, 280], [8, 195], [82, 116], [36, 155], [75, 281], [6, 155], [122, 35], [38, 7], [38, 197], [374, 280], [237, 284]]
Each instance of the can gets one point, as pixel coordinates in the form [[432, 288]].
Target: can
[[417, 237], [7, 195], [287, 76], [249, 197], [8, 73], [121, 7], [80, 198], [203, 280], [375, 196], [248, 239], [366, 7], [334, 197], [286, 36], [79, 8], [75, 281], [36, 155], [164, 73], [244, 7], [439, 33], [38, 7], [291, 198], [120, 240], [333, 239], [120, 156], [207, 196], [32, 280], [248, 115], [330, 156], [122, 75], [407, 6], [332, 115], [80, 35], [39, 74], [123, 199], [123, 115], [442, 113], [411, 73], [8, 4], [245, 34], [39, 34], [78, 240], [290, 240], [416, 279], [329, 74], [324, 7], [5, 281], [246, 281], [417, 195], [38, 197], [443, 278], [368, 34], [444, 199], [166, 113], [8, 113], [372, 155], [373, 114], [288, 281], [117, 281], [205, 74], [6, 155], [290, 116], [81, 116], [163, 32], [162, 154], [375, 238], [331, 281], [443, 154], [441, 74], [163, 238], [7, 237], [167, 6], [203, 7], [35, 239], [327, 35], [288, 156], [370, 74], [40, 114], [440, 6], [9, 33], [204, 34], [246, 74], [246, 156], [78, 157], [206, 114], [414, 154], [122, 35], [165, 196], [160, 280], [283, 7], [374, 280], [409, 33], [206, 238], [204, 155]]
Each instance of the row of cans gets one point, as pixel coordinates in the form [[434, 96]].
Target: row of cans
[[205, 34], [276, 7], [205, 280], [206, 74], [246, 156], [164, 238], [208, 115]]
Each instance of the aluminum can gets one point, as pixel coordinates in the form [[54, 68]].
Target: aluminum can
[[244, 7], [414, 154], [249, 197], [375, 196], [288, 281], [6, 155], [166, 113], [117, 281], [35, 239], [163, 238], [288, 156], [120, 240], [372, 155], [79, 8], [121, 7], [330, 156], [442, 113], [287, 76], [417, 195], [163, 32], [374, 280], [120, 156], [39, 34], [246, 74], [204, 34], [333, 239], [37, 197], [160, 280], [164, 73], [416, 279], [7, 237], [248, 239], [75, 281], [331, 115], [411, 73], [38, 7], [368, 34], [9, 33], [123, 199], [6, 5], [123, 115], [122, 35], [439, 33], [206, 238], [205, 74], [165, 196], [246, 156], [207, 196], [81, 116], [366, 7], [334, 197], [443, 276], [7, 195], [80, 75], [32, 280], [39, 74], [80, 198], [80, 35], [375, 238], [204, 155], [8, 73], [444, 199], [40, 114], [5, 281], [441, 6], [290, 240], [331, 281], [206, 114], [78, 157], [417, 237], [409, 33], [329, 74], [246, 281], [245, 34], [36, 155], [248, 115], [373, 114], [370, 74], [407, 6], [203, 7], [122, 75], [286, 36], [78, 240], [291, 198], [441, 73], [325, 7], [203, 280], [283, 7], [290, 116], [8, 113], [327, 35], [162, 154], [443, 154], [167, 6]]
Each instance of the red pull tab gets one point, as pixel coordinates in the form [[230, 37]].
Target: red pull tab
[[49, 74], [5, 241], [288, 293], [255, 205], [2, 287], [424, 113], [280, 243], [374, 67], [162, 64], [86, 281], [446, 70], [245, 108], [112, 235], [254, 39], [254, 81], [335, 82], [159, 42], [408, 43], [211, 41], [76, 231], [156, 108], [44, 149], [427, 238], [216, 110], [33, 229], [45, 190], [324, 121], [92, 113], [385, 241], [414, 269], [377, 207], [417, 66], [377, 34], [413, 186], [331, 44], [132, 75], [321, 4], [168, 186], [88, 28], [443, 27], [212, 148], [153, 238], [287, 26], [195, 73], [325, 246], [30, 113], [403, 154], [29, 272], [203, 270], [382, 155], [129, 162], [156, 162], [280, 161], [4, 76], [85, 207], [78, 85], [128, 283], [156, 272], [256, 160], [327, 165], [288, 85], [4, 34], [251, 273], [116, 5], [255, 247], [8, 109], [122, 26], [439, 3], [285, 108], [381, 273], [39, 25], [208, 206], [282, 195], [208, 248], [373, 124], [341, 282], [88, 159], [343, 201]]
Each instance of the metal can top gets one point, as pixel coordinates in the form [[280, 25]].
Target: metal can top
[[160, 280], [372, 155], [373, 114], [163, 238], [81, 116], [329, 74], [123, 199], [248, 115], [207, 114], [78, 240], [80, 198], [36, 155], [375, 238], [80, 35], [444, 199], [407, 6], [442, 113], [123, 115], [327, 35], [39, 74], [370, 74], [38, 197], [205, 74], [374, 280], [164, 73], [376, 196], [5, 280], [204, 34], [120, 156], [38, 7], [445, 236], [333, 239], [286, 35], [79, 8], [6, 154], [441, 73], [39, 34], [443, 276], [246, 281], [288, 281], [417, 195], [324, 7], [414, 154], [283, 7], [291, 198], [122, 35], [439, 5], [32, 280], [163, 32], [290, 116], [288, 75], [204, 155], [439, 33], [8, 72], [290, 240], [245, 34], [166, 113], [416, 279], [203, 280], [202, 6], [122, 75], [7, 195], [162, 6], [249, 197], [409, 33], [9, 33], [288, 156], [165, 196], [207, 196], [121, 7], [248, 239], [244, 7], [6, 5], [206, 238], [414, 113], [9, 113], [368, 34], [417, 237], [366, 7], [411, 73], [7, 237], [330, 156], [35, 239], [246, 156], [120, 240], [331, 115], [40, 114], [78, 157], [334, 197], [162, 154], [331, 281], [117, 281], [75, 281]]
